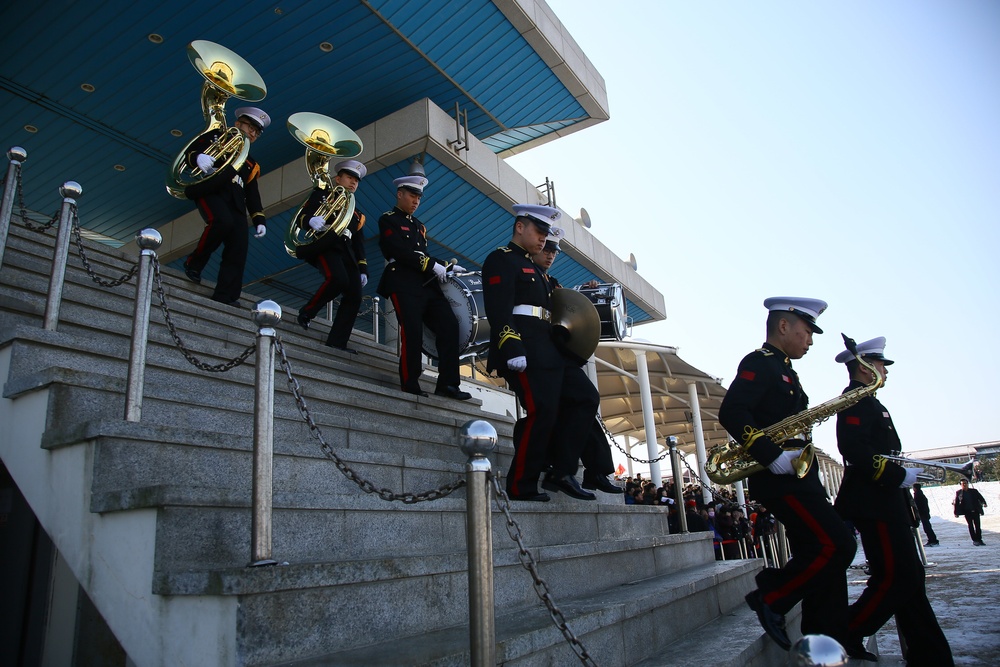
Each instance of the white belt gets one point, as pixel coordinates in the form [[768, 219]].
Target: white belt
[[533, 311]]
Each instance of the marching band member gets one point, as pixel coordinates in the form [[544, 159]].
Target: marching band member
[[558, 397], [224, 202], [765, 391], [875, 498], [340, 259], [596, 453], [412, 281]]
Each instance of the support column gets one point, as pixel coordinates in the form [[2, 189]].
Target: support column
[[648, 418], [699, 442]]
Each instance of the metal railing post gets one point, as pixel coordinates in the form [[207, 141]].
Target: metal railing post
[[70, 192], [149, 240], [375, 315], [479, 438], [266, 316], [782, 546], [675, 468], [16, 155]]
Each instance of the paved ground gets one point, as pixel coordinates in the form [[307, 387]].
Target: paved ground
[[962, 584]]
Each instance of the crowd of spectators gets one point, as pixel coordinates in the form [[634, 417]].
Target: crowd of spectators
[[739, 532]]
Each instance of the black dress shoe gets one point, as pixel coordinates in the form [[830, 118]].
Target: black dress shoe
[[193, 275], [418, 392], [772, 622], [568, 485], [601, 484], [533, 497], [303, 321], [859, 652], [453, 392], [349, 350]]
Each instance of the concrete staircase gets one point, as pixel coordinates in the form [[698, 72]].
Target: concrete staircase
[[153, 518]]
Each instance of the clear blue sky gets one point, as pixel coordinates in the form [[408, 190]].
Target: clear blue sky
[[848, 151]]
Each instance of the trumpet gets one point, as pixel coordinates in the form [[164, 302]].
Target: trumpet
[[939, 469], [324, 139], [226, 75]]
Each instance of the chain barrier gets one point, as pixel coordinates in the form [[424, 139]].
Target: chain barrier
[[42, 228], [218, 368], [612, 439], [529, 564], [364, 484], [86, 263]]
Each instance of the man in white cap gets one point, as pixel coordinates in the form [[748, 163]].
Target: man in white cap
[[874, 497], [339, 259], [412, 281], [765, 391], [596, 453], [559, 399], [224, 201]]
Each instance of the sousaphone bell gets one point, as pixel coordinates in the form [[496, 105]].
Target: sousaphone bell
[[226, 75], [324, 139]]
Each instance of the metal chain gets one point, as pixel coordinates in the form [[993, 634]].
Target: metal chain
[[364, 484], [541, 588], [612, 438], [41, 229], [218, 368], [83, 257]]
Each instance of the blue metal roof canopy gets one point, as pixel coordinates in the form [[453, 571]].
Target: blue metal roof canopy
[[117, 142]]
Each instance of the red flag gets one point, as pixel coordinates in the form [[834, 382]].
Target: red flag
[[620, 471]]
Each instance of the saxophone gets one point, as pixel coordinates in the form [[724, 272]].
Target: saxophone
[[729, 462]]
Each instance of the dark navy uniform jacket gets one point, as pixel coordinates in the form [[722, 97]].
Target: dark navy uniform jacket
[[403, 239], [511, 279], [354, 244], [870, 489], [237, 188], [765, 391]]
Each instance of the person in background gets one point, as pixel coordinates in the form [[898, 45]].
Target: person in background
[[970, 503], [923, 508]]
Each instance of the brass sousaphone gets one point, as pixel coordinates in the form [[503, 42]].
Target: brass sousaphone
[[324, 139], [226, 75]]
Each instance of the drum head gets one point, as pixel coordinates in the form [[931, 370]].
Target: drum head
[[609, 299], [464, 292]]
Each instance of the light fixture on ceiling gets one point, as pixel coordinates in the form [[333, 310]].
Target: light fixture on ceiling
[[119, 167], [176, 133], [417, 166], [325, 47], [87, 88], [30, 128], [154, 38]]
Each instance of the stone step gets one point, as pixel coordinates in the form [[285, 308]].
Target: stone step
[[618, 624]]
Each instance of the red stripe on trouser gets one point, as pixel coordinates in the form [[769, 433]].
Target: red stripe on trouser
[[825, 554], [209, 220], [402, 341], [521, 451], [325, 268], [887, 580]]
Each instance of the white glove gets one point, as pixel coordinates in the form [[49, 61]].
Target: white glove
[[317, 222], [205, 163], [911, 477], [517, 364], [458, 269], [261, 230], [440, 272], [346, 234], [783, 464], [364, 280]]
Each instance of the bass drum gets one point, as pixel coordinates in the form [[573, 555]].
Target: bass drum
[[609, 299], [464, 292]]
